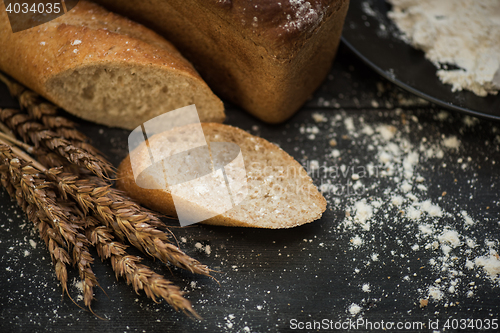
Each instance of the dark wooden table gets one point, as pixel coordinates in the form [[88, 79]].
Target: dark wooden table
[[275, 280]]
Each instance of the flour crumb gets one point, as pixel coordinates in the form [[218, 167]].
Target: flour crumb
[[490, 265], [450, 237], [357, 241], [319, 117], [451, 142], [387, 131], [435, 293], [79, 286], [354, 309], [467, 219], [397, 200]]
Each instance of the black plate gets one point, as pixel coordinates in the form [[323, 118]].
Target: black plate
[[374, 38]]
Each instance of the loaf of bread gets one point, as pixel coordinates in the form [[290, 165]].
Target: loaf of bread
[[278, 192], [104, 68], [267, 56]]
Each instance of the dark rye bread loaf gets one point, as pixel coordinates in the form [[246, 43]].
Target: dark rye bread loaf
[[267, 56], [104, 68]]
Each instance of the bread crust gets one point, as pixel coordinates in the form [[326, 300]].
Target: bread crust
[[281, 27], [269, 66], [89, 36]]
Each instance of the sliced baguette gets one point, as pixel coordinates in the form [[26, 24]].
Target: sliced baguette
[[280, 193], [104, 68]]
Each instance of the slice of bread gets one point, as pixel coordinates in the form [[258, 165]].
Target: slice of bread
[[104, 68], [280, 193]]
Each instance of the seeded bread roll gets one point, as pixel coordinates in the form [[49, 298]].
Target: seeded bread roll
[[104, 68], [280, 193], [267, 56]]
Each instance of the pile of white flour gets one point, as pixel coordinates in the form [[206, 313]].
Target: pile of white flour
[[465, 33]]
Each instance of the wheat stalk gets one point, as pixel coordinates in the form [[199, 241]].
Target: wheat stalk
[[140, 276], [58, 221], [34, 190], [46, 113], [72, 171], [19, 182], [35, 132], [127, 219]]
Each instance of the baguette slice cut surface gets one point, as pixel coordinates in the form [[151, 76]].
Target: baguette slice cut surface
[[104, 68], [280, 193]]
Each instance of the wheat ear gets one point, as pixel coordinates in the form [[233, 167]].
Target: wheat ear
[[140, 276], [36, 133], [125, 218], [58, 222]]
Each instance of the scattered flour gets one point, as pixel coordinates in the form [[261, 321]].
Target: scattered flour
[[397, 200], [207, 249], [435, 293], [77, 283], [467, 219], [451, 142], [490, 264], [319, 117], [450, 237], [354, 309], [387, 131], [357, 241], [464, 33], [364, 212], [400, 198]]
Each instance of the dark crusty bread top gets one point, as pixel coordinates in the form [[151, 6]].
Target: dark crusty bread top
[[274, 24]]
